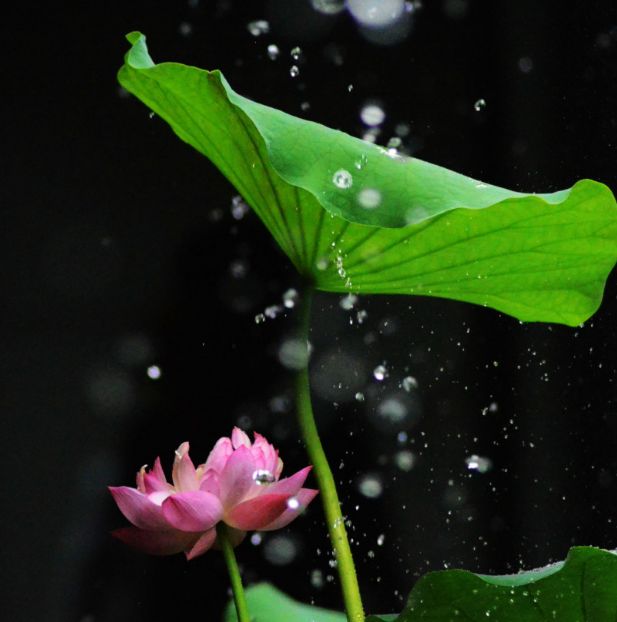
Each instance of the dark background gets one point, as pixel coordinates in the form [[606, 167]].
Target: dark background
[[119, 251]]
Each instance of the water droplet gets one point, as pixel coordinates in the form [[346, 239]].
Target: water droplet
[[370, 485], [296, 53], [260, 318], [380, 372], [328, 7], [372, 115], [154, 372], [273, 51], [359, 396], [185, 29], [361, 316], [294, 353], [293, 503], [394, 143], [391, 409], [361, 162], [479, 464], [290, 298], [239, 208], [294, 72], [525, 64], [348, 302], [272, 311], [381, 538], [317, 579], [376, 14], [404, 460], [342, 179], [409, 383], [280, 550], [262, 477], [258, 27], [369, 198], [479, 105], [256, 539]]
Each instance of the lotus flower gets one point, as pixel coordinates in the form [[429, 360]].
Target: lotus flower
[[238, 484]]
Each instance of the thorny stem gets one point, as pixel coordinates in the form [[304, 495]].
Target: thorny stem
[[329, 496], [234, 573]]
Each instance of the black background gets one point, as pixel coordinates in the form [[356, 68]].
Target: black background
[[118, 251]]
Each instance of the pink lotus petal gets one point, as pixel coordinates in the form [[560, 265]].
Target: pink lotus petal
[[236, 480], [290, 485], [138, 508], [279, 466], [210, 483], [157, 471], [184, 475], [304, 497], [257, 512], [155, 542], [239, 438], [270, 455], [140, 479], [192, 511], [154, 484], [203, 544], [219, 455]]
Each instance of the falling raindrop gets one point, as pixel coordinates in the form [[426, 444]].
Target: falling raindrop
[[294, 72], [256, 539], [409, 383], [239, 208], [369, 198], [380, 373], [479, 464], [296, 53], [479, 105], [294, 353], [404, 460], [260, 318], [262, 477], [372, 115], [359, 396], [293, 503], [370, 485], [273, 51], [154, 372], [381, 538], [280, 550], [342, 179], [392, 409], [258, 27], [290, 298], [328, 7], [348, 302], [376, 14]]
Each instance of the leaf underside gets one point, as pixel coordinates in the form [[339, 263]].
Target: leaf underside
[[352, 218]]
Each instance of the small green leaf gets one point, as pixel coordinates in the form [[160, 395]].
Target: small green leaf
[[354, 217], [267, 604], [581, 589]]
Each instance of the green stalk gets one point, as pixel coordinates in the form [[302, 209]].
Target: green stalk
[[325, 479], [242, 609]]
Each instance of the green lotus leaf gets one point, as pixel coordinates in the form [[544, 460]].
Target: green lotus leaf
[[353, 217], [267, 604]]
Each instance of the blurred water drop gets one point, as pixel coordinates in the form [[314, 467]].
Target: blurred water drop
[[258, 27], [294, 72], [361, 316], [294, 354], [263, 477], [479, 105], [393, 410], [381, 538], [328, 7], [359, 396], [380, 373], [256, 539], [260, 318], [369, 198], [404, 460], [154, 372], [372, 115], [185, 29], [525, 64], [361, 162], [342, 179], [409, 383], [280, 550], [272, 311], [293, 503], [348, 302], [479, 464], [376, 12], [290, 298], [273, 51], [370, 485], [317, 580], [239, 208], [296, 52]]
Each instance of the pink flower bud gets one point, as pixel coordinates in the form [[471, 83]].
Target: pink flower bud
[[238, 484]]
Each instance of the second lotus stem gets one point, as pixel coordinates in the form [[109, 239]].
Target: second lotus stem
[[323, 473]]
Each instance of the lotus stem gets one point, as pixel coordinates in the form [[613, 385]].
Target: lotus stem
[[242, 609], [329, 496]]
